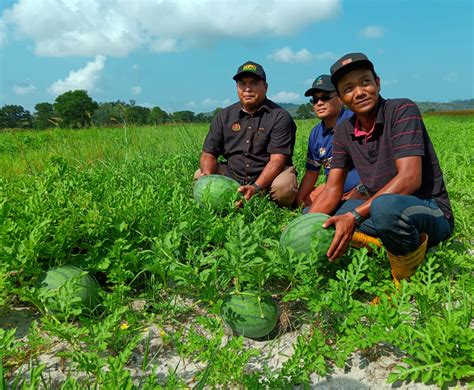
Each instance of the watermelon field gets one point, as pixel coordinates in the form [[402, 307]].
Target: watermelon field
[[118, 204]]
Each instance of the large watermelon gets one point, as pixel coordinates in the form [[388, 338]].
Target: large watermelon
[[217, 191], [83, 290], [306, 232], [249, 313]]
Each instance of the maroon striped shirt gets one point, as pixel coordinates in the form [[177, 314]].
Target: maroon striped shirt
[[399, 132]]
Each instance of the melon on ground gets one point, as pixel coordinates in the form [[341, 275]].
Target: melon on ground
[[305, 232], [84, 288], [217, 191], [250, 313]]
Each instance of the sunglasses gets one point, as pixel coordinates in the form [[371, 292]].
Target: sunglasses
[[323, 98]]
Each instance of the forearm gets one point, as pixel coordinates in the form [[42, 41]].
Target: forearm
[[208, 163], [271, 170], [306, 186], [327, 200], [406, 182]]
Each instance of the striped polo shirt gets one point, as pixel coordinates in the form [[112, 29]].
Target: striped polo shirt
[[399, 132]]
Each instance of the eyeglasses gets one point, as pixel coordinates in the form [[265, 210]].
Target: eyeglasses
[[323, 98]]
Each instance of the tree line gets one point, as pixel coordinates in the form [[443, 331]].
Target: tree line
[[76, 109]]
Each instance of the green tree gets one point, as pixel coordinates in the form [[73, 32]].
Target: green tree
[[183, 116], [75, 108], [110, 114], [305, 111], [158, 116], [44, 116], [136, 115], [13, 116]]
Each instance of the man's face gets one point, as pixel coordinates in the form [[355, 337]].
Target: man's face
[[326, 105], [359, 90], [251, 91]]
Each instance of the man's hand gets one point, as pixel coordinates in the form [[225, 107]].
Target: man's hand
[[345, 226], [247, 191]]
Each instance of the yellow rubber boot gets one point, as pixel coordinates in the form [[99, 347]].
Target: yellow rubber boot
[[405, 266], [362, 240]]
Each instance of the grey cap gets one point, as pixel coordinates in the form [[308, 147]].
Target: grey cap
[[322, 83]]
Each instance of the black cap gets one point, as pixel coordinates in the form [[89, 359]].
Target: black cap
[[347, 63], [322, 83], [250, 68]]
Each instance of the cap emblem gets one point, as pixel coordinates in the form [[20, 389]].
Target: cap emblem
[[250, 68], [319, 81], [347, 61]]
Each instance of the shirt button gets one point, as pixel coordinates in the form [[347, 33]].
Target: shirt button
[[248, 165], [248, 177], [247, 141], [246, 154], [250, 127]]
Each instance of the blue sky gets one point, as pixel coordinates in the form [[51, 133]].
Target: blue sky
[[181, 55]]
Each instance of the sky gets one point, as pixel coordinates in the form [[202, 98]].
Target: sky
[[182, 54]]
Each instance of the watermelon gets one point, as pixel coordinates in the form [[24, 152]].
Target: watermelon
[[83, 289], [216, 191], [249, 313], [306, 232]]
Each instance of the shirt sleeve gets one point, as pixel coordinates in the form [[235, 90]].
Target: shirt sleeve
[[407, 131], [282, 136], [313, 162], [214, 142], [340, 157]]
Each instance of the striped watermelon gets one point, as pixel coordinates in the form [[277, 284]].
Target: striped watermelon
[[249, 313], [306, 232], [216, 191], [84, 287]]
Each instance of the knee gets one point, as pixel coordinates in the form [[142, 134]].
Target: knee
[[385, 210]]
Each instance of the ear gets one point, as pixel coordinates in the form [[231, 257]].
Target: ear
[[266, 87], [377, 81]]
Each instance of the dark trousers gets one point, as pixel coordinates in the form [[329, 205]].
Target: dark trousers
[[398, 221]]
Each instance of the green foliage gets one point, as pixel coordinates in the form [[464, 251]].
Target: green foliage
[[305, 111], [44, 116], [13, 116], [118, 203], [75, 108]]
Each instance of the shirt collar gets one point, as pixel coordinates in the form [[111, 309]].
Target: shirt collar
[[379, 119], [265, 106]]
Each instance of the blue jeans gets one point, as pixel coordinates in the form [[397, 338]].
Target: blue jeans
[[398, 221]]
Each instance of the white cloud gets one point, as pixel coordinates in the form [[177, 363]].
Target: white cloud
[[287, 55], [84, 78], [326, 56], [212, 103], [116, 27], [372, 32], [386, 83], [285, 97], [23, 89], [137, 90], [452, 76]]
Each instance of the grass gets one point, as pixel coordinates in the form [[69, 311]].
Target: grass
[[118, 203]]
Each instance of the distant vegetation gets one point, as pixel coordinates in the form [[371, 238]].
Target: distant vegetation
[[75, 109]]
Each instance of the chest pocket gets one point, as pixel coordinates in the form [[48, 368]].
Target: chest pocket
[[261, 139]]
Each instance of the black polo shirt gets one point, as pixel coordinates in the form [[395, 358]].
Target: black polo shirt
[[399, 132], [247, 140]]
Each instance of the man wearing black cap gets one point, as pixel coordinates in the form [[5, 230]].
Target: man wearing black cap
[[256, 137], [328, 107], [387, 142]]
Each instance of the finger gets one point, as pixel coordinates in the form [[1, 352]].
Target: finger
[[341, 248], [334, 245], [328, 222]]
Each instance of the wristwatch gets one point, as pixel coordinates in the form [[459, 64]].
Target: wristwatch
[[359, 219], [257, 187]]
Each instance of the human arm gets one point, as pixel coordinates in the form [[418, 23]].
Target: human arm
[[307, 184], [273, 168], [406, 182], [208, 163]]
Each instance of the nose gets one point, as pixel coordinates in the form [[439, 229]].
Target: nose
[[359, 91]]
